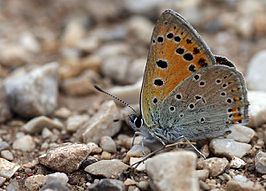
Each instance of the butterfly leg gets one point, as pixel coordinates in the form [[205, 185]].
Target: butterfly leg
[[186, 139]]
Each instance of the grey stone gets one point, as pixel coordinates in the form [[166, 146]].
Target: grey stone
[[35, 93], [214, 165], [260, 162], [107, 184], [7, 169], [257, 108], [25, 143], [66, 158], [108, 144], [241, 133], [173, 171]]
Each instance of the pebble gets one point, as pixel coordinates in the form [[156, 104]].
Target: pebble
[[136, 151], [102, 123], [2, 180], [95, 149], [81, 85], [73, 33], [107, 184], [107, 168], [229, 147], [3, 145], [35, 182], [35, 93], [62, 112], [129, 182], [54, 185], [37, 124], [7, 155], [141, 28], [75, 122], [144, 185], [116, 68], [173, 171], [214, 165], [257, 66], [108, 144], [62, 177], [241, 133], [7, 169], [106, 156], [246, 185], [141, 166], [25, 143], [46, 133], [29, 42], [128, 93], [5, 112], [202, 174], [112, 50], [237, 163], [260, 162], [66, 158], [257, 108]]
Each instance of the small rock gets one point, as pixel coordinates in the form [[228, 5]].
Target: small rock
[[7, 155], [62, 177], [247, 185], [3, 145], [94, 148], [141, 166], [241, 133], [202, 174], [107, 168], [37, 124], [257, 108], [129, 93], [130, 182], [55, 185], [66, 158], [13, 185], [107, 184], [76, 121], [88, 44], [81, 85], [141, 28], [205, 150], [62, 112], [46, 133], [25, 143], [108, 144], [126, 141], [136, 151], [112, 50], [257, 66], [101, 123], [5, 112], [35, 182], [106, 156], [2, 180], [237, 163], [173, 171], [215, 165], [7, 169], [35, 93], [229, 147], [260, 162], [29, 42], [116, 68], [73, 33], [144, 185]]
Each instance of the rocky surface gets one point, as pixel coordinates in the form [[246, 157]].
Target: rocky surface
[[57, 132]]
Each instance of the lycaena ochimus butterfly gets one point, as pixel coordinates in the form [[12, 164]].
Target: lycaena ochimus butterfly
[[187, 92]]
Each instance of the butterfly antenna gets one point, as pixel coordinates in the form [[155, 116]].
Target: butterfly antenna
[[120, 100]]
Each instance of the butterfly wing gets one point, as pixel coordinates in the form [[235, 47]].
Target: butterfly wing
[[205, 104], [176, 51]]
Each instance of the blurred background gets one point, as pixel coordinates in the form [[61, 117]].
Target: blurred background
[[106, 42]]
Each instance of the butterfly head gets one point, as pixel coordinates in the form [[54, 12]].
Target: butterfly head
[[136, 121]]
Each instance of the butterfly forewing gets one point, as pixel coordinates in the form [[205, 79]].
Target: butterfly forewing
[[176, 51]]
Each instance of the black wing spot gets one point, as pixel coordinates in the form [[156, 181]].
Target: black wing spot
[[154, 100], [180, 50], [196, 50], [196, 77], [161, 64], [202, 62], [189, 41], [158, 82], [192, 68], [170, 35], [177, 39], [160, 39], [188, 56]]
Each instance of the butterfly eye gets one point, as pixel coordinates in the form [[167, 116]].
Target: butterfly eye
[[138, 122]]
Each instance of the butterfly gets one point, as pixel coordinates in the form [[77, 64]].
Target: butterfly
[[187, 92]]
